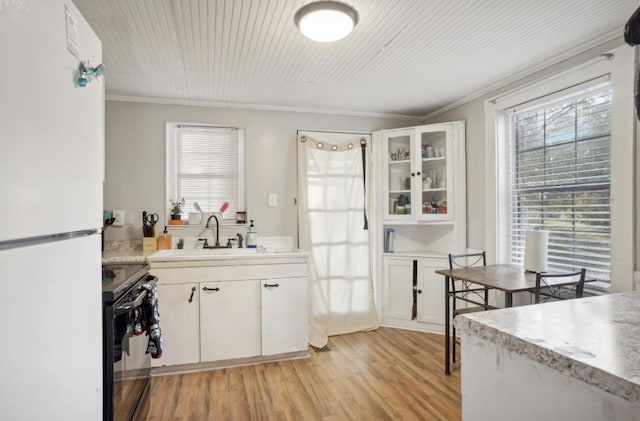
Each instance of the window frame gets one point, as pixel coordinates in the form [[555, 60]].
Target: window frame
[[618, 64], [170, 168], [573, 94]]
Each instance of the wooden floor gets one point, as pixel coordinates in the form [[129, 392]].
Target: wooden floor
[[386, 374]]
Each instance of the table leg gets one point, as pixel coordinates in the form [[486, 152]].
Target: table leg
[[508, 299], [447, 367]]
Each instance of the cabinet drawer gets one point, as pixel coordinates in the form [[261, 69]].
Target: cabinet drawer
[[227, 273]]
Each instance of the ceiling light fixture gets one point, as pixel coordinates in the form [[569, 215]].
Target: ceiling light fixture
[[326, 21]]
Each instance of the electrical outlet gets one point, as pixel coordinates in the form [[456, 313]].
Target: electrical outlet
[[119, 216], [273, 200]]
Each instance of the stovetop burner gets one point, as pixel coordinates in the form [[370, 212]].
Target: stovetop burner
[[118, 278]]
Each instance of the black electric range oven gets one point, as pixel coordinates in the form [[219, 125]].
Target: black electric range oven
[[126, 361]]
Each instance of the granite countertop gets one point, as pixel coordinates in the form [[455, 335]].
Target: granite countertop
[[131, 252], [595, 340], [124, 256]]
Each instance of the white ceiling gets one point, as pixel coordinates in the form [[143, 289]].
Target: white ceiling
[[406, 57]]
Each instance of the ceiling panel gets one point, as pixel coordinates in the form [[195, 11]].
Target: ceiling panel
[[407, 57]]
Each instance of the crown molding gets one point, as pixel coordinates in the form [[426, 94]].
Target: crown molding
[[213, 104]]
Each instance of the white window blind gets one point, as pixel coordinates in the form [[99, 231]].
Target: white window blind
[[210, 168], [560, 180]]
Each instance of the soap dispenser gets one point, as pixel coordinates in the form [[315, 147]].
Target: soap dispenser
[[164, 240], [252, 236]]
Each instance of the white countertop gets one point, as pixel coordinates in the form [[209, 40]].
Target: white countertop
[[211, 257], [419, 254], [219, 254], [595, 340]]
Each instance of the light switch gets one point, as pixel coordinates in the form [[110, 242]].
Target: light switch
[[119, 218], [273, 200]]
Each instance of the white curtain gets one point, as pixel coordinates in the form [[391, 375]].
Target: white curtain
[[331, 218]]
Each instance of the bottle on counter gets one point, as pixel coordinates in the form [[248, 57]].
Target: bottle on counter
[[388, 240], [252, 236], [164, 240]]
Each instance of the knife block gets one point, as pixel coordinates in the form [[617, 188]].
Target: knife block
[[149, 244]]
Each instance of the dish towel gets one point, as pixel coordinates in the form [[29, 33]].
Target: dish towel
[[152, 315]]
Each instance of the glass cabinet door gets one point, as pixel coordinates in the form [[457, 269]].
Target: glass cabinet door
[[398, 181], [436, 174], [418, 179]]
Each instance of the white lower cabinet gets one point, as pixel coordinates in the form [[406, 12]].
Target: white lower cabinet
[[229, 320], [430, 291], [227, 312], [178, 305], [283, 301], [413, 294], [397, 289]]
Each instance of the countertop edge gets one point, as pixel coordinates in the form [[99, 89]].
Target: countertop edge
[[139, 256], [579, 370], [129, 258]]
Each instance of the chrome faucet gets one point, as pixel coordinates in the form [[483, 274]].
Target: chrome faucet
[[217, 229]]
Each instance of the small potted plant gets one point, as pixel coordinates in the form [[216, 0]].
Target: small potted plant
[[176, 209]]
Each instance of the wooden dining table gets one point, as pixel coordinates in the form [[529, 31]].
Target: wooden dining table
[[508, 278]]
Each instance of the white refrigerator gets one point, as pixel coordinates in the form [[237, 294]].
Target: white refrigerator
[[51, 175]]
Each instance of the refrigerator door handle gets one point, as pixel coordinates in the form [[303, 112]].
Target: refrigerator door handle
[[130, 305]]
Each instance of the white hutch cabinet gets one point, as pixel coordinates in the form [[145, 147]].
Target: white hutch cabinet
[[419, 193]]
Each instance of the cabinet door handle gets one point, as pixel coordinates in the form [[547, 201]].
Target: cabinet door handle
[[413, 174], [193, 290], [419, 291], [418, 173], [210, 289], [271, 285]]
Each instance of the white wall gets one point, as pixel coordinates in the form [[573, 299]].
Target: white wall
[[135, 158], [480, 164]]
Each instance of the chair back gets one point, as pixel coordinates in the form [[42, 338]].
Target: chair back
[[467, 260], [573, 287]]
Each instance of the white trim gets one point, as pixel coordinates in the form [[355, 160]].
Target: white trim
[[491, 183], [333, 131], [596, 69], [170, 163], [214, 104], [621, 69], [623, 181], [567, 93], [556, 60]]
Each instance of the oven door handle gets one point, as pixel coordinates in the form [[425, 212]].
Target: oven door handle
[[130, 305]]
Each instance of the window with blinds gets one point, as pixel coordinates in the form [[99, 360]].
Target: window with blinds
[[209, 168], [560, 180]]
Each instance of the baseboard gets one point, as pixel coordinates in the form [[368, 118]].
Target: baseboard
[[217, 365], [413, 325]]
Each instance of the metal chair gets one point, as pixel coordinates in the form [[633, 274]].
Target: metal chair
[[572, 289], [466, 261]]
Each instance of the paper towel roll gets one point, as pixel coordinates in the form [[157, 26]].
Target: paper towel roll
[[535, 251]]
